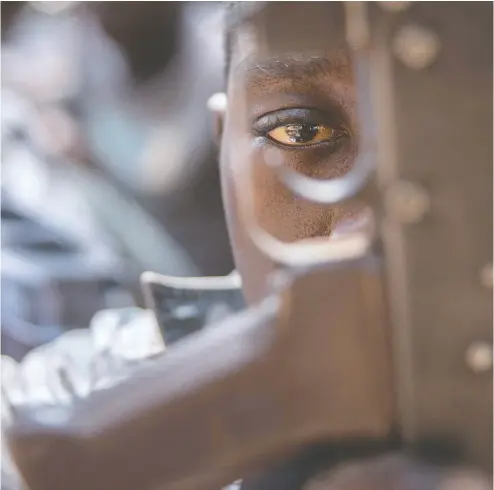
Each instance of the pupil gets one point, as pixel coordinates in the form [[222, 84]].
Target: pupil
[[301, 133]]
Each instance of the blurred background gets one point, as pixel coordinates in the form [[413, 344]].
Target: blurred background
[[109, 167]]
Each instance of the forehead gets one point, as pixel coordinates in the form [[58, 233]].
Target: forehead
[[253, 62], [293, 26], [322, 73], [280, 29]]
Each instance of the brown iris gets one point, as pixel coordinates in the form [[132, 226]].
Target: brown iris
[[303, 134]]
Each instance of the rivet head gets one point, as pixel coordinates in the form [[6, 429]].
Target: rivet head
[[486, 274], [406, 202], [479, 357], [416, 47]]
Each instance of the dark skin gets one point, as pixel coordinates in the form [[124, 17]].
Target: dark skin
[[303, 110]]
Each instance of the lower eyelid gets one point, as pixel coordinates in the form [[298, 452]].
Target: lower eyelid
[[332, 144], [322, 161]]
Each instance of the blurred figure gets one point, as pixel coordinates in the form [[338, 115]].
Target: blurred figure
[[99, 159]]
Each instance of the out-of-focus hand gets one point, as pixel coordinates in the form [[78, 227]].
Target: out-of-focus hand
[[73, 366], [398, 473]]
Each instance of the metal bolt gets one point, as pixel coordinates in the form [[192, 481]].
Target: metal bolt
[[486, 276], [416, 47], [407, 202], [479, 357], [394, 6]]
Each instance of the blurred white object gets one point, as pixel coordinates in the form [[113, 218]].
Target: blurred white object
[[81, 361], [53, 8], [75, 364], [217, 102]]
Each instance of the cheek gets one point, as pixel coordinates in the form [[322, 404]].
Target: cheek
[[252, 265], [278, 211], [284, 215]]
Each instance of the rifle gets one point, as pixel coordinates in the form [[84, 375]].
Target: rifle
[[382, 337]]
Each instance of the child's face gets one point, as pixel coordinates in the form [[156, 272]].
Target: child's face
[[303, 109]]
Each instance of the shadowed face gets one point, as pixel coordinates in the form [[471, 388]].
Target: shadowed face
[[302, 108]]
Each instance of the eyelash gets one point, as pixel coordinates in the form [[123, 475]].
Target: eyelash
[[306, 116]]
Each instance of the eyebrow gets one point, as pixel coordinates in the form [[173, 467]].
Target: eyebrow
[[294, 69]]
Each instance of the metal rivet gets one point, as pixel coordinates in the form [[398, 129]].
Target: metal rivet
[[486, 276], [407, 202], [394, 6], [479, 357], [416, 47]]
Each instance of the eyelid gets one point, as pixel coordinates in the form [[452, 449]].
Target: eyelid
[[272, 120]]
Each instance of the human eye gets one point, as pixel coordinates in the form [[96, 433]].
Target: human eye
[[301, 128]]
